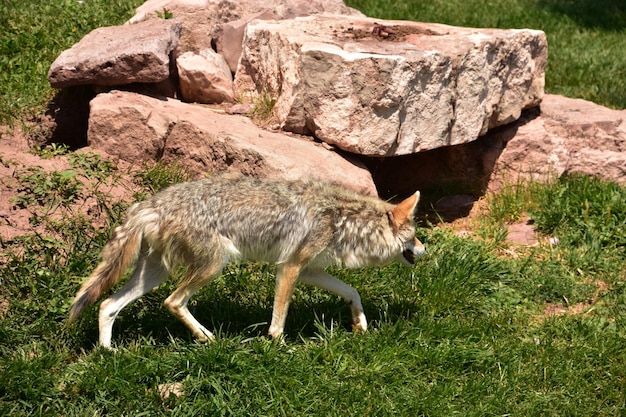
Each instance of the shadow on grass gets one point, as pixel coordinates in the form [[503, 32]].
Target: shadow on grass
[[230, 318], [598, 14]]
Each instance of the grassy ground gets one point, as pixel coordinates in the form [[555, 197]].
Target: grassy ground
[[479, 327], [33, 34]]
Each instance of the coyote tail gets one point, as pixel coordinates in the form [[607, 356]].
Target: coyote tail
[[120, 252]]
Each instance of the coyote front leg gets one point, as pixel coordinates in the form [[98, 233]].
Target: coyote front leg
[[286, 279], [324, 280]]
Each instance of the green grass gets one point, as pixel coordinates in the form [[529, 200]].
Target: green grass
[[33, 33], [464, 333]]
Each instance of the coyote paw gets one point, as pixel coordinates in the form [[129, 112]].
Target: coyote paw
[[359, 324], [203, 335]]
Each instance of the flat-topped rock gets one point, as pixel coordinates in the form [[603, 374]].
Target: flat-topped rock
[[139, 128], [118, 55], [385, 88]]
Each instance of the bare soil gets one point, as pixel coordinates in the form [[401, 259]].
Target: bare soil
[[17, 157]]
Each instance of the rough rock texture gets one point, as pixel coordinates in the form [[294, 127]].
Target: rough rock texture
[[118, 55], [139, 128], [229, 36], [150, 8], [205, 77], [569, 136], [195, 16], [389, 88], [565, 136]]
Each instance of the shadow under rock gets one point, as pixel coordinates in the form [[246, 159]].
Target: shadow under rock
[[449, 178]]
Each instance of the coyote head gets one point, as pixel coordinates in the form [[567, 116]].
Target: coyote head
[[403, 225]]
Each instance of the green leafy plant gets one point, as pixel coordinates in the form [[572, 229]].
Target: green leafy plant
[[91, 165], [263, 108], [47, 189], [165, 14], [50, 151]]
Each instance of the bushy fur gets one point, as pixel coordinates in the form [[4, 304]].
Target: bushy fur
[[301, 226]]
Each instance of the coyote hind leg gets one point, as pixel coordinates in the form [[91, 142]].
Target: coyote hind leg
[[149, 274], [324, 280], [177, 301]]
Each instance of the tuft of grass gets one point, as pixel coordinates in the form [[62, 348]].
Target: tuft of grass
[[156, 176], [263, 108], [165, 14]]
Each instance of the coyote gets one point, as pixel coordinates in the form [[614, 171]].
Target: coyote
[[301, 226]]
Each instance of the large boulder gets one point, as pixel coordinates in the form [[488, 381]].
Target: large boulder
[[118, 55], [139, 128], [569, 136], [385, 88], [563, 136]]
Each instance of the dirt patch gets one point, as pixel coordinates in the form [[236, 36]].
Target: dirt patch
[[17, 159], [561, 310], [395, 33], [584, 308], [522, 233]]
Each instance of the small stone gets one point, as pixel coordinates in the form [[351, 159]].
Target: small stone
[[205, 77], [239, 109]]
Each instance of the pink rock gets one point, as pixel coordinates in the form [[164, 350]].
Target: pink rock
[[229, 36], [139, 128], [195, 16], [205, 77], [202, 19], [118, 55], [569, 136], [565, 136]]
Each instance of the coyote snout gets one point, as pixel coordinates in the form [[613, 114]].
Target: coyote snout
[[413, 249], [300, 226]]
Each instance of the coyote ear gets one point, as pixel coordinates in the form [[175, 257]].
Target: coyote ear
[[404, 211]]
